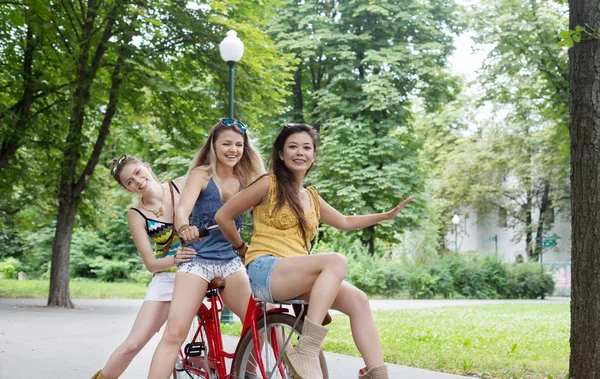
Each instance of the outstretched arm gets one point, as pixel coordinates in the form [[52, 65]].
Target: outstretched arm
[[238, 204], [333, 217]]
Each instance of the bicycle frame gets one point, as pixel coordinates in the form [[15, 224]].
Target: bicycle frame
[[209, 320]]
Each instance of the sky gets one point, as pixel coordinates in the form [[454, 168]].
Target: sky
[[467, 57]]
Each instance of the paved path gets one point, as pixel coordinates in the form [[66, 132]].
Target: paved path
[[37, 342]]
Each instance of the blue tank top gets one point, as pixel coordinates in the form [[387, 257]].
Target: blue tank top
[[215, 245]]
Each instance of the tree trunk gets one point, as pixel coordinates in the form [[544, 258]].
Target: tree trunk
[[584, 77], [297, 94], [544, 207], [528, 227], [370, 241], [59, 295]]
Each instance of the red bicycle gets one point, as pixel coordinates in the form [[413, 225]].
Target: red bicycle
[[266, 334]]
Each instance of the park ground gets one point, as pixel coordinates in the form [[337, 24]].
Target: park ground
[[487, 338]]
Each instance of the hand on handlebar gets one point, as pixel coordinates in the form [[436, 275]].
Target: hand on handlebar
[[189, 234]]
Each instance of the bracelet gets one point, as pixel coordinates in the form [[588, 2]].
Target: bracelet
[[183, 228], [240, 247]]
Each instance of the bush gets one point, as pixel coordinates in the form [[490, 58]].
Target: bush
[[10, 268], [395, 279], [421, 284], [527, 281], [470, 277], [112, 270], [141, 276], [455, 275], [365, 271]]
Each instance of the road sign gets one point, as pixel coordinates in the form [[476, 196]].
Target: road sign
[[545, 238], [492, 238], [548, 243]]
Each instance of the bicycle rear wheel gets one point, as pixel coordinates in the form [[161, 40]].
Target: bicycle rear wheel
[[280, 335]]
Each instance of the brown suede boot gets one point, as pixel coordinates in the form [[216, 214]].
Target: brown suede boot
[[377, 372], [303, 359], [98, 375]]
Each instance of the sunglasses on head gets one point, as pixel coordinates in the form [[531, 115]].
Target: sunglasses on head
[[118, 163], [229, 123]]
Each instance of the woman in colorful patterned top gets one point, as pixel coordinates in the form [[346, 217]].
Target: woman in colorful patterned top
[[225, 164], [286, 219], [151, 217]]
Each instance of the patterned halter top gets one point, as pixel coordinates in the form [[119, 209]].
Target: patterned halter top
[[161, 233]]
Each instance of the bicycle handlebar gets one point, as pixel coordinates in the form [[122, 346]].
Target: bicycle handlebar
[[203, 231]]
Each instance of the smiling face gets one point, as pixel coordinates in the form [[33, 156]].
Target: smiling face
[[298, 152], [136, 177], [229, 147]]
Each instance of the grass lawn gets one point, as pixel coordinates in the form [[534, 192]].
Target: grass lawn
[[82, 289], [489, 341]]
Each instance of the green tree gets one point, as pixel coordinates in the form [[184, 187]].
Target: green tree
[[128, 65], [514, 161], [359, 65], [527, 58]]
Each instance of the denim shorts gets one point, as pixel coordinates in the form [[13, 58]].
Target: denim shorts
[[211, 269], [259, 272]]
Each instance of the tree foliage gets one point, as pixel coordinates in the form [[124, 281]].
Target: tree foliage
[[505, 153], [360, 64], [87, 68]]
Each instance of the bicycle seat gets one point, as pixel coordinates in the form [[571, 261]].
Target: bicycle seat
[[300, 308], [216, 283]]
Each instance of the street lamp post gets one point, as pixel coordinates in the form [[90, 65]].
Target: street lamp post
[[455, 221], [232, 50]]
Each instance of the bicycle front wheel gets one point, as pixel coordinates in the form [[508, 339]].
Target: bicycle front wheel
[[194, 367], [279, 336]]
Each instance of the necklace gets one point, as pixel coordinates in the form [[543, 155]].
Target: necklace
[[159, 211]]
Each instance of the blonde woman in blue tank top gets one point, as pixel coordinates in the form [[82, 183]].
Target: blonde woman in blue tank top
[[150, 220], [226, 163]]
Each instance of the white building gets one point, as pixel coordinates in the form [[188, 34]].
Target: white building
[[477, 234]]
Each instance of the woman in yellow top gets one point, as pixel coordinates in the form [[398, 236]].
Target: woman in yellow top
[[286, 218]]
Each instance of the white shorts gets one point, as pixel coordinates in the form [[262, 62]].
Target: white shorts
[[161, 287], [211, 269]]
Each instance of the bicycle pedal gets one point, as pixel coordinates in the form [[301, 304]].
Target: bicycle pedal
[[194, 349]]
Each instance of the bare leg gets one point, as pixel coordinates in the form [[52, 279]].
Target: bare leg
[[355, 303], [187, 296], [237, 292], [320, 275], [149, 320]]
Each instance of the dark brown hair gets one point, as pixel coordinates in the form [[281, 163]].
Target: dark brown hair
[[287, 189]]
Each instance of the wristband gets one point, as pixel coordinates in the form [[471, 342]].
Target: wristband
[[240, 247], [183, 228]]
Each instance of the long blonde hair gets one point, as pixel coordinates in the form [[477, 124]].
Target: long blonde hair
[[249, 167]]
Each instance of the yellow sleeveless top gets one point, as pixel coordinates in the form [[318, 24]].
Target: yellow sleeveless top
[[277, 232]]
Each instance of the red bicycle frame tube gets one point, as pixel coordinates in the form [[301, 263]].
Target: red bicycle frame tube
[[253, 314]]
